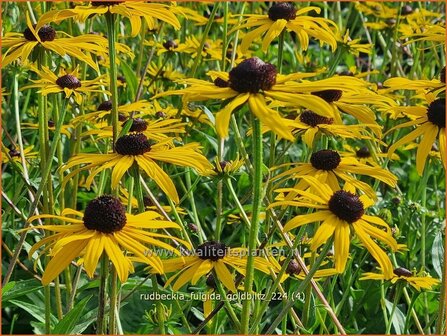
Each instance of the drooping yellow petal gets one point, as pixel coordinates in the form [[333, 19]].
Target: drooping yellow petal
[[120, 168], [323, 233], [61, 260], [117, 258], [341, 246], [269, 117], [224, 275], [424, 148], [273, 32], [223, 116], [93, 252]]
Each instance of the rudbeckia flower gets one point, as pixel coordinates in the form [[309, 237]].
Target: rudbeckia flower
[[14, 154], [67, 82], [210, 256], [136, 148], [308, 125], [104, 227], [284, 15], [157, 130], [430, 124], [134, 10], [227, 168], [364, 155], [341, 212], [401, 274], [20, 45], [252, 81], [327, 166]]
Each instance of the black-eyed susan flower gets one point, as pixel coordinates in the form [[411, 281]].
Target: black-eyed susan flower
[[104, 227], [327, 166], [67, 82], [227, 168], [13, 153], [157, 130], [210, 256], [284, 15], [136, 148], [430, 124], [251, 81], [20, 45], [364, 155], [309, 125], [134, 10], [400, 274], [340, 212]]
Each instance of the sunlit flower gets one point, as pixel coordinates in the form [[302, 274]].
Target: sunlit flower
[[207, 257], [251, 81], [103, 227], [430, 124], [401, 274], [227, 168], [136, 148], [158, 130], [67, 82], [15, 154], [20, 45], [284, 15], [341, 212], [327, 166], [134, 10]]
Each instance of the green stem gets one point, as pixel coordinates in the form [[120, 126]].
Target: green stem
[[193, 205], [113, 313], [281, 50], [202, 42], [219, 202], [301, 286], [254, 229], [393, 309], [111, 36], [227, 304], [101, 326]]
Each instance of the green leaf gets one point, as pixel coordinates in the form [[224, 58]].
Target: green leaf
[[131, 79], [398, 317], [19, 288], [34, 310], [437, 252], [70, 320]]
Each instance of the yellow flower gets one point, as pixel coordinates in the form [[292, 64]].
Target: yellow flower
[[157, 130], [327, 166], [430, 124], [20, 45], [14, 154], [207, 257], [341, 212], [135, 148], [283, 15], [134, 10], [227, 168], [105, 227], [401, 274], [252, 81], [67, 82]]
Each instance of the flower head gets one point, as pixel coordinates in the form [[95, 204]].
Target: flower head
[[104, 227]]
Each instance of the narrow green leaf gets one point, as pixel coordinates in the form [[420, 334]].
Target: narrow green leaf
[[437, 252], [131, 79], [398, 317], [19, 289], [70, 320]]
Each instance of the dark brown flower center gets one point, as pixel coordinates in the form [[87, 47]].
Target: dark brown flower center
[[211, 250], [346, 206], [436, 112], [105, 214], [13, 152], [210, 281], [400, 271], [329, 95], [312, 119], [69, 82], [282, 10], [46, 33], [160, 114], [325, 159], [105, 106], [138, 125], [252, 75], [51, 123], [170, 45], [363, 152], [105, 3], [405, 10], [132, 144], [442, 75], [219, 82], [293, 268], [222, 165]]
